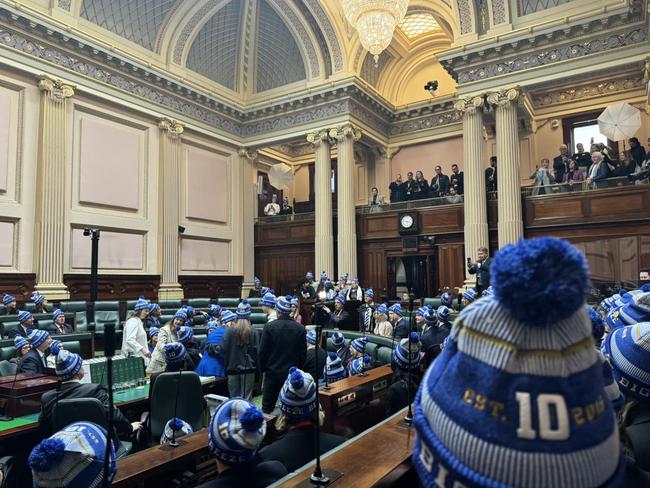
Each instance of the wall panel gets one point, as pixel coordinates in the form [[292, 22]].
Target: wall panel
[[7, 242], [208, 185], [117, 251], [204, 255]]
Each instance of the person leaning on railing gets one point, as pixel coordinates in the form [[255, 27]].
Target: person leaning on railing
[[573, 175], [543, 178]]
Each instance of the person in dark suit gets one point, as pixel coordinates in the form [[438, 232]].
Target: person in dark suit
[[282, 346], [70, 372], [598, 171], [35, 361], [561, 164], [339, 318], [396, 189], [400, 325], [581, 157], [59, 327], [313, 364], [439, 183], [457, 180], [367, 312], [421, 187], [405, 362], [298, 407], [637, 152], [256, 291], [409, 186], [491, 175], [481, 268], [26, 320]]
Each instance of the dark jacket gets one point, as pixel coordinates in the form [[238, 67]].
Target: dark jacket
[[74, 389], [482, 273], [283, 344], [560, 166], [286, 211], [396, 192], [255, 293], [432, 339], [420, 190], [401, 329], [18, 331], [439, 185], [637, 429], [458, 181], [362, 316], [582, 159], [602, 173], [638, 154], [408, 188], [398, 391], [9, 311], [310, 362], [240, 358], [341, 321], [54, 329], [298, 447], [248, 475], [31, 363], [491, 185]]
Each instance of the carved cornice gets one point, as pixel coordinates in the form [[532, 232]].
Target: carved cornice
[[171, 127], [56, 89], [249, 154]]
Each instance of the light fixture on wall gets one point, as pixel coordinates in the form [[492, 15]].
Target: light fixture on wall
[[432, 88], [375, 21]]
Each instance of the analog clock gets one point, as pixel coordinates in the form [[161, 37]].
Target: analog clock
[[408, 223]]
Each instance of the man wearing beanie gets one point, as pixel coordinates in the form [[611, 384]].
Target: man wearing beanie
[[59, 327], [298, 416], [400, 324], [334, 369], [405, 362], [268, 306], [339, 318], [517, 397], [282, 346], [72, 458], [71, 373], [9, 301], [314, 365], [367, 312], [26, 322], [35, 361], [236, 430]]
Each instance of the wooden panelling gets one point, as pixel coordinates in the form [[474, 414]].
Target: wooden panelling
[[201, 286], [281, 233], [442, 220], [19, 285], [451, 265], [282, 268], [113, 287], [372, 263]]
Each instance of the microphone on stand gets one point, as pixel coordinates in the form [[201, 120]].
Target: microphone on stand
[[109, 352], [408, 420]]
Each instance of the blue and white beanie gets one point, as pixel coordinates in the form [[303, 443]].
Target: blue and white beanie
[[57, 313], [311, 337], [470, 295], [637, 309], [359, 365], [401, 357], [181, 314], [268, 300], [7, 299], [214, 310], [141, 304], [174, 353], [446, 299], [309, 275], [175, 425], [323, 276], [24, 315], [369, 293], [429, 315], [72, 458], [359, 344], [20, 342], [153, 308], [611, 386], [528, 351], [340, 298], [257, 281], [67, 363], [488, 292], [443, 313], [264, 290], [37, 337], [283, 305], [227, 316], [294, 303], [184, 334], [597, 325], [382, 309], [422, 311], [298, 395], [153, 331], [334, 370], [628, 351], [327, 284], [338, 339], [37, 298], [244, 309], [236, 430], [396, 309]]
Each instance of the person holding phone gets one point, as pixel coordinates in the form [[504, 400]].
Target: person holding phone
[[481, 268]]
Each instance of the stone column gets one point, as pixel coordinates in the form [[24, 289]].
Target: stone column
[[511, 227], [383, 169], [324, 234], [346, 215], [475, 197], [51, 203], [170, 158], [248, 162]]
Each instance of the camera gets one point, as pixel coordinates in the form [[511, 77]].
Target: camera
[[432, 87], [86, 232]]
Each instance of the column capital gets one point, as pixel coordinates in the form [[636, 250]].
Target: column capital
[[247, 153], [55, 88], [470, 104], [504, 97], [387, 152], [318, 137], [171, 127], [344, 131]]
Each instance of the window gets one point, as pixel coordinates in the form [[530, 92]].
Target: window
[[587, 135], [583, 128]]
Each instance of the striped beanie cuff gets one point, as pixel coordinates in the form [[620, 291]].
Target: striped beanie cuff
[[228, 316], [401, 357], [236, 430], [7, 299], [153, 331], [268, 300], [369, 293], [37, 298], [24, 315], [340, 298], [141, 304], [153, 307], [181, 314], [334, 370], [359, 365], [184, 334], [174, 353], [396, 309], [283, 305], [67, 364], [311, 337], [470, 295], [215, 310], [338, 339], [20, 342], [628, 351], [57, 313], [37, 337], [446, 299], [298, 395], [244, 309], [359, 344], [443, 313]]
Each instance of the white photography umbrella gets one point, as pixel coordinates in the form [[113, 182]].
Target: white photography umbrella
[[619, 121], [280, 176]]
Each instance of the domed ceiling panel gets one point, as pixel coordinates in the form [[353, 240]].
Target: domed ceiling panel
[[215, 51], [371, 72], [279, 60], [137, 20]]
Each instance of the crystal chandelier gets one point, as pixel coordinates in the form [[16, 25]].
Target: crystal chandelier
[[375, 21]]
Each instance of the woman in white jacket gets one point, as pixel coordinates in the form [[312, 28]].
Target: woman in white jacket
[[166, 335], [134, 337]]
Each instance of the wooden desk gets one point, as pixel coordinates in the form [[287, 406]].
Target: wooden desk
[[367, 459], [353, 395]]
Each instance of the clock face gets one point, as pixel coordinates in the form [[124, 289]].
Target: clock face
[[407, 221]]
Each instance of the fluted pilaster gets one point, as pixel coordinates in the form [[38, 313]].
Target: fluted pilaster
[[51, 204], [248, 162], [170, 143], [324, 234], [511, 227], [383, 169], [346, 216]]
